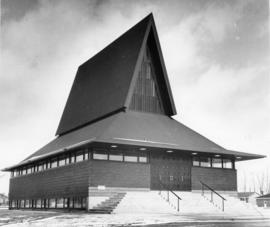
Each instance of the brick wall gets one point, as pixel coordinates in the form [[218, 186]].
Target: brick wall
[[218, 179], [73, 180], [70, 180], [120, 174]]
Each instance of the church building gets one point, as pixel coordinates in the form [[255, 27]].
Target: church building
[[117, 131]]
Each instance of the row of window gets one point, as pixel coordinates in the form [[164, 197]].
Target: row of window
[[79, 156], [52, 203], [213, 162]]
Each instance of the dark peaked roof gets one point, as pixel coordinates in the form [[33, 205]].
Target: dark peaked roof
[[103, 84], [139, 129]]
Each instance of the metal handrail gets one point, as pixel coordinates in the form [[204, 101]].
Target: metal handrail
[[168, 197], [212, 191]]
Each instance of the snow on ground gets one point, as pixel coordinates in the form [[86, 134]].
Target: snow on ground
[[19, 218]]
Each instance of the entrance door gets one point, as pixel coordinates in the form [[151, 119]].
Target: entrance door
[[170, 172]]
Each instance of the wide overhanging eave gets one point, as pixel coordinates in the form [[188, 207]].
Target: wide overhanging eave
[[52, 153]]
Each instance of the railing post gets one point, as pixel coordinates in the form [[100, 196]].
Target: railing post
[[223, 205], [202, 190], [178, 204], [212, 197], [168, 199]]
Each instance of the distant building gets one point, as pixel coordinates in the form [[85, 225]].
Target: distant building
[[117, 131], [263, 201], [3, 199], [248, 197]]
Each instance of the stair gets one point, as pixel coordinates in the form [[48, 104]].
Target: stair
[[144, 202], [107, 206]]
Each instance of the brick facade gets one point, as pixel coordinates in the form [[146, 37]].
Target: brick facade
[[218, 179], [74, 179], [120, 174], [65, 181]]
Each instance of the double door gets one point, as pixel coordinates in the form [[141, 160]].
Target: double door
[[172, 173]]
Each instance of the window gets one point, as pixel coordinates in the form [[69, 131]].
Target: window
[[43, 202], [17, 173], [60, 203], [66, 202], [27, 203], [47, 203], [62, 161], [29, 170], [196, 161], [71, 203], [13, 203], [205, 162], [79, 156], [115, 157], [227, 164], [40, 167], [67, 160], [53, 163], [22, 204], [77, 203], [143, 159], [38, 203], [100, 156], [72, 158], [217, 162], [86, 154], [83, 202], [52, 203], [23, 171], [130, 158]]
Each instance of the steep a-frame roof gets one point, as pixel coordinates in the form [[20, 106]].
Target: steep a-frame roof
[[104, 84]]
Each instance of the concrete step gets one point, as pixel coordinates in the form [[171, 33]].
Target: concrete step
[[108, 205], [143, 202]]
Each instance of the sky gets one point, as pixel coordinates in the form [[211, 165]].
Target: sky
[[216, 54]]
